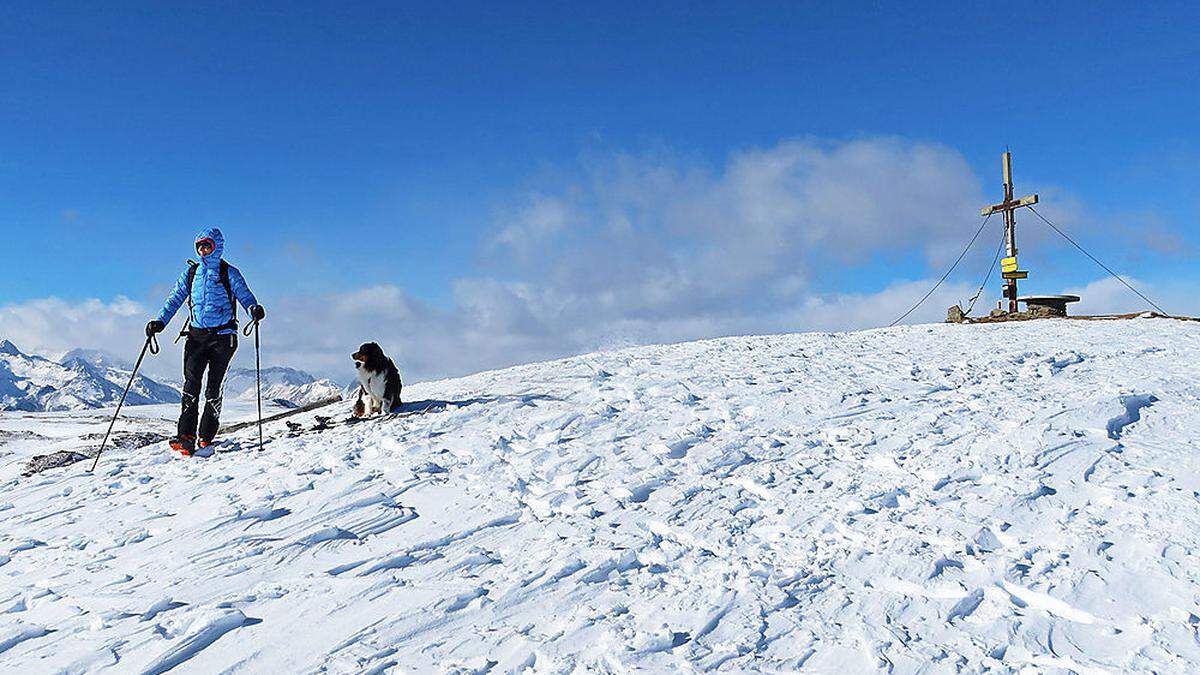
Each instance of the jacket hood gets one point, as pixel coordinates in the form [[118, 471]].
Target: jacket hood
[[218, 244]]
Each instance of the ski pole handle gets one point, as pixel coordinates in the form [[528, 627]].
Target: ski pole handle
[[257, 375]]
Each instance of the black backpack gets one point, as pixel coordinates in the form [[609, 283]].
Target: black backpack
[[191, 278]]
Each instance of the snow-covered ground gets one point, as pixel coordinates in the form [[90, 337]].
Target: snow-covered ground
[[24, 434], [929, 498]]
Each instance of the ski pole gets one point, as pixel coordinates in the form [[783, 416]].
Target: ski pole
[[257, 376], [151, 344]]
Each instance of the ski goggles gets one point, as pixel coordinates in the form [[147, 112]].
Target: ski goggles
[[206, 243]]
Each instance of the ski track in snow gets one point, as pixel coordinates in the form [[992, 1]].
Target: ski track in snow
[[927, 498]]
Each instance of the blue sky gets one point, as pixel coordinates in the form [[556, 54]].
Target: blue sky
[[347, 146]]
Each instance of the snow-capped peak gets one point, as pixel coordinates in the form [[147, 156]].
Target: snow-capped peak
[[96, 357], [7, 347], [281, 384]]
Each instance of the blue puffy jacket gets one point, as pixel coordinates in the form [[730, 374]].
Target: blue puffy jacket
[[210, 304]]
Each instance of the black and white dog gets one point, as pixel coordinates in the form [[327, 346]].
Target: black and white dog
[[378, 379]]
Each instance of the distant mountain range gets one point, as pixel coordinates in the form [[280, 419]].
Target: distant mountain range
[[87, 378], [285, 386], [82, 380]]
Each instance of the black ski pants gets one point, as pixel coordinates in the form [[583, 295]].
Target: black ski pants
[[211, 352]]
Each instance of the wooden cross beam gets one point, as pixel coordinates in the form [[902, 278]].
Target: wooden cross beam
[[1029, 200]]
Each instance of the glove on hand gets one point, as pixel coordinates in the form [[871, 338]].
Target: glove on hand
[[258, 313], [155, 326]]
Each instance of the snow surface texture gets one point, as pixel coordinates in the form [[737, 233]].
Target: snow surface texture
[[60, 436], [947, 498]]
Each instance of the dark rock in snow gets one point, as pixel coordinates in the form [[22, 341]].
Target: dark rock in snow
[[40, 463]]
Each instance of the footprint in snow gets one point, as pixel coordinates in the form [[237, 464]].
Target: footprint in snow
[[200, 634], [678, 449], [326, 534], [987, 540], [480, 665], [638, 494], [1060, 361], [462, 600], [885, 500], [944, 564], [163, 605], [1134, 404], [661, 640], [966, 606], [262, 514]]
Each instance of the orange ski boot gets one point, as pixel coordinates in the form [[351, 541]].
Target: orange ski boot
[[184, 445]]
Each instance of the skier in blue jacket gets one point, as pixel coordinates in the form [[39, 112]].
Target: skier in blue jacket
[[209, 288]]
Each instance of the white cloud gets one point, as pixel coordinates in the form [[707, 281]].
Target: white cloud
[[652, 237], [52, 325], [634, 250], [1109, 296]]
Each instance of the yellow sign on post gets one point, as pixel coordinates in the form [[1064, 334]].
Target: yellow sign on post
[[1008, 264]]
